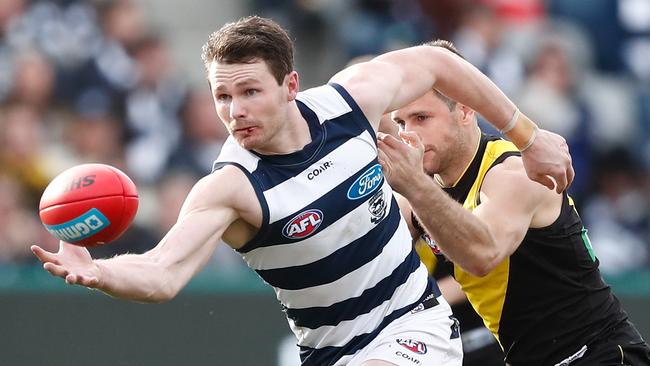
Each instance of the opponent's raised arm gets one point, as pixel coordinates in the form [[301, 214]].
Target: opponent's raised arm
[[395, 79], [159, 274], [463, 238]]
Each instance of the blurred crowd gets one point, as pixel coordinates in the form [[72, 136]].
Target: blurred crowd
[[93, 81]]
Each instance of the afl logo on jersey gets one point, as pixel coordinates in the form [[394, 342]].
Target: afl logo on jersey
[[303, 225], [367, 183], [413, 345]]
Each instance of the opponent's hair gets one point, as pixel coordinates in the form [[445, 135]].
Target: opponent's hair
[[248, 40], [451, 104]]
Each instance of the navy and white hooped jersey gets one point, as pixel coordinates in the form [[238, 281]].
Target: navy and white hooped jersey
[[333, 244]]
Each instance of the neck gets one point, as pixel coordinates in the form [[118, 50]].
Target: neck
[[461, 160], [291, 137]]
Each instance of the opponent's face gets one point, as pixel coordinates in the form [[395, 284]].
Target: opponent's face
[[438, 128], [250, 102]]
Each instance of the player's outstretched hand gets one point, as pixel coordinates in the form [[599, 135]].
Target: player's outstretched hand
[[548, 157], [72, 263], [401, 161]]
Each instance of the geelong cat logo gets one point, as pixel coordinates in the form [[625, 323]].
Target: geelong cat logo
[[303, 225], [86, 225], [367, 183]]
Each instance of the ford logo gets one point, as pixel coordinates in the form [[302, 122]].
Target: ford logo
[[367, 183]]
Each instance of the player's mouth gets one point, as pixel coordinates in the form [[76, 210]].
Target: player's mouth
[[245, 130]]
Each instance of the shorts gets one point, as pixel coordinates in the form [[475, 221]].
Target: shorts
[[622, 346], [417, 338]]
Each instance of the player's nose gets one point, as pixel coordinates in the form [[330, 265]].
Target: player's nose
[[237, 109]]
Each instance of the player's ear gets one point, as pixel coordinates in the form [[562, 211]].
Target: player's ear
[[292, 82]]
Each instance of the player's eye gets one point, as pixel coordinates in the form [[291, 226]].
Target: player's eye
[[223, 97], [251, 92]]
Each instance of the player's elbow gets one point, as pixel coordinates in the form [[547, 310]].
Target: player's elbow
[[161, 294], [162, 289], [485, 261]]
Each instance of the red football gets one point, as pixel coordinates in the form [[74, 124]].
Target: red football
[[89, 204]]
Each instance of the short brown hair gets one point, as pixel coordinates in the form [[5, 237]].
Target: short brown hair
[[451, 104], [248, 40]]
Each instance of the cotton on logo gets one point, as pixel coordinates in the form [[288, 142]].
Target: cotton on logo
[[303, 225], [413, 345]]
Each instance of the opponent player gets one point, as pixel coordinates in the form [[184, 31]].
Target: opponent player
[[523, 258], [298, 192]]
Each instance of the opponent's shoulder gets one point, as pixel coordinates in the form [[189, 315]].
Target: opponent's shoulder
[[507, 175], [509, 179]]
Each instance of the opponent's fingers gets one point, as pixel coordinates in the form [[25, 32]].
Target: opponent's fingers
[[411, 138], [389, 140], [382, 156], [55, 269], [43, 255], [570, 173], [545, 180], [561, 181]]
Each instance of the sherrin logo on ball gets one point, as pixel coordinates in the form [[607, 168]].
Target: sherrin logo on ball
[[367, 183], [89, 204]]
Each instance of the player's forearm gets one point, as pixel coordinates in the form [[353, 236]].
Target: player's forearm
[[463, 238], [461, 81], [136, 277]]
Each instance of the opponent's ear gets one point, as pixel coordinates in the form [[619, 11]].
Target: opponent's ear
[[466, 114]]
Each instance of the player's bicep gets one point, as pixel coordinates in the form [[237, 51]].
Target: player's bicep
[[508, 202], [372, 85]]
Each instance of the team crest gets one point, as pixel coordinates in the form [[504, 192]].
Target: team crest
[[377, 207]]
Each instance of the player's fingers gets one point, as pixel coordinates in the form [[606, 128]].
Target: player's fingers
[[55, 269], [88, 281], [71, 279], [43, 255]]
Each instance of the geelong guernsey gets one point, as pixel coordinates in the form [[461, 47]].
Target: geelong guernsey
[[333, 244]]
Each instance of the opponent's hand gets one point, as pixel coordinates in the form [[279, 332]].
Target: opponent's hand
[[547, 161], [401, 162], [72, 263]]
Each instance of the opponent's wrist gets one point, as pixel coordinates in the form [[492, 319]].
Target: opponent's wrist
[[522, 132], [420, 188]]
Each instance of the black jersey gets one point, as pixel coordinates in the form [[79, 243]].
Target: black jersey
[[548, 299]]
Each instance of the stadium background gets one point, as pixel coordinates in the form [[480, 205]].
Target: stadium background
[[121, 82]]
